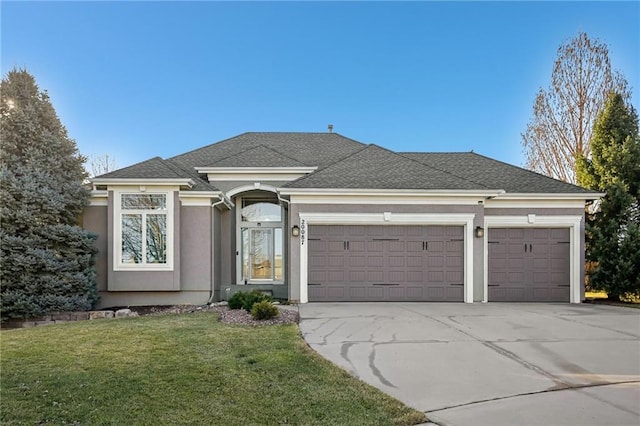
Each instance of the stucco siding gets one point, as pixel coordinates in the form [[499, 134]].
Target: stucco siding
[[94, 220], [195, 236], [125, 298]]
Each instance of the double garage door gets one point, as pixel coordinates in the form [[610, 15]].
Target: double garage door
[[529, 264], [386, 263], [426, 263]]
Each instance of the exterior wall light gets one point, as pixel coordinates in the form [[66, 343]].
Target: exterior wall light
[[295, 231], [479, 232]]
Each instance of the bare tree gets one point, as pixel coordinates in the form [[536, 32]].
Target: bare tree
[[564, 115], [101, 164]]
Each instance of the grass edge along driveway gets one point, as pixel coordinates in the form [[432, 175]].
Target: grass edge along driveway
[[180, 369]]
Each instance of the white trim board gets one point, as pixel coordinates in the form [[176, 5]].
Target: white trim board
[[540, 221], [387, 218]]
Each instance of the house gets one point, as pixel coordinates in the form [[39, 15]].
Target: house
[[314, 217]]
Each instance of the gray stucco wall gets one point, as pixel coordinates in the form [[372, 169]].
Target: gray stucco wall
[[196, 254], [94, 219]]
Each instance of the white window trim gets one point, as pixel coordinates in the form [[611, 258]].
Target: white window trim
[[117, 237], [387, 218], [539, 221]]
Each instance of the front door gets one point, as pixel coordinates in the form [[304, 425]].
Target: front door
[[261, 254], [261, 245]]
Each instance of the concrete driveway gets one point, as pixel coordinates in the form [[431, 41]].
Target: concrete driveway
[[489, 364]]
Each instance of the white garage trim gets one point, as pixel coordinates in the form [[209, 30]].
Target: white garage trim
[[387, 218], [537, 221]]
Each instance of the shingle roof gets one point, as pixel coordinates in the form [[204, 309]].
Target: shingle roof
[[308, 149], [260, 156], [345, 163], [157, 168], [493, 173], [378, 168]]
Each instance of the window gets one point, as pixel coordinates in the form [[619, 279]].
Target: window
[[143, 238]]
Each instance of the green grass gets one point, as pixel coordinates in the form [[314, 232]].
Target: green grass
[[180, 369]]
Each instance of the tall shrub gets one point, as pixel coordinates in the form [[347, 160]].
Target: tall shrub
[[46, 259]]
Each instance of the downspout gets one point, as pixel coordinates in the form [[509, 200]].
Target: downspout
[[222, 199]]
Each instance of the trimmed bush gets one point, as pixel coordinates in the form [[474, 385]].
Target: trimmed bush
[[237, 300], [264, 310], [254, 297]]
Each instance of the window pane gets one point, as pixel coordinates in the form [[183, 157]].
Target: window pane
[[131, 238], [278, 258], [245, 254], [144, 201], [262, 212], [261, 254], [156, 238]]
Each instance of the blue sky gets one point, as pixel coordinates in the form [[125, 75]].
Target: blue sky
[[140, 79]]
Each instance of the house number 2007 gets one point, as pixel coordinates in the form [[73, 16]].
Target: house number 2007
[[303, 229]]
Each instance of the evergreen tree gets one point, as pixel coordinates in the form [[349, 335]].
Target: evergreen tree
[[613, 230], [46, 260]]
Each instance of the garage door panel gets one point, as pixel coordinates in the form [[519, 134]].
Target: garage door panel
[[388, 262], [396, 262], [357, 247], [357, 261], [335, 276], [396, 276], [436, 247], [357, 276], [376, 246], [414, 262], [335, 261], [375, 261], [415, 276], [397, 246], [454, 261], [317, 276], [527, 264], [335, 292], [435, 262]]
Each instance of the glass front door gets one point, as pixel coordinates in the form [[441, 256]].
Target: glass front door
[[261, 254]]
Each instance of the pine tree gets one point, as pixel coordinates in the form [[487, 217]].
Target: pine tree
[[613, 230], [46, 260]]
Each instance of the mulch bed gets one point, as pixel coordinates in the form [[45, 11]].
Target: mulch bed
[[287, 314]]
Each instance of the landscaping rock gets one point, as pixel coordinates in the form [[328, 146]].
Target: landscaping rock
[[100, 314], [125, 313]]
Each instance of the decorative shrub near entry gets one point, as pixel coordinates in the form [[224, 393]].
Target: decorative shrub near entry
[[254, 297], [264, 310], [237, 300]]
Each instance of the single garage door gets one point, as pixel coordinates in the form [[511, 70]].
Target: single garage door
[[386, 263], [529, 264]]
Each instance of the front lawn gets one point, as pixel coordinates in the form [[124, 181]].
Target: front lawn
[[180, 369]]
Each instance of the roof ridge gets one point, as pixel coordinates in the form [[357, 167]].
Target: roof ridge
[[207, 146], [256, 147], [300, 179]]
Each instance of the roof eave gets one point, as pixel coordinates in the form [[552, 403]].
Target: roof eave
[[143, 181], [262, 170], [552, 196], [391, 192]]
